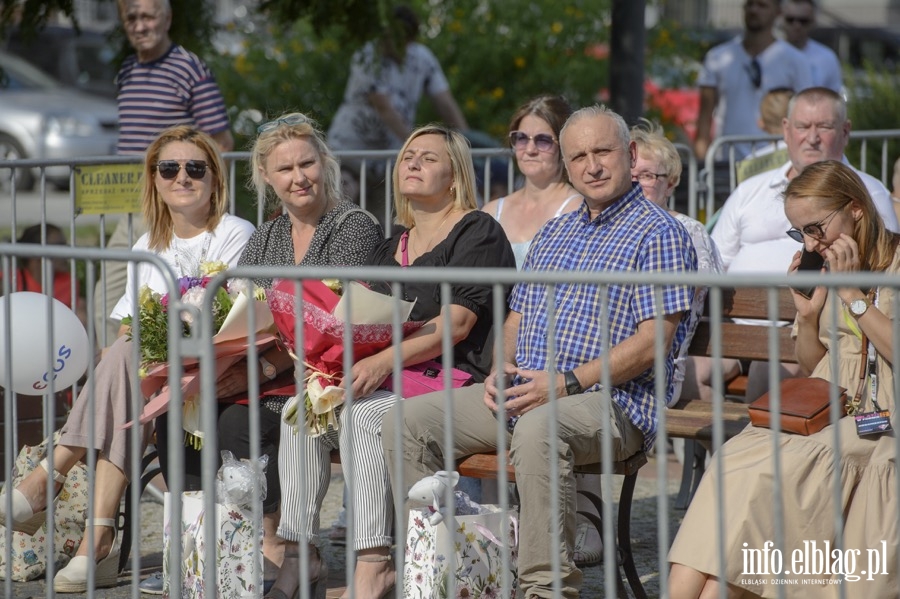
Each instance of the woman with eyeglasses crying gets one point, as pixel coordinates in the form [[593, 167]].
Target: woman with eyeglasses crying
[[545, 193], [843, 335], [184, 202]]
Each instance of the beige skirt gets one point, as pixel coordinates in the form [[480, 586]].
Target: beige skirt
[[868, 501]]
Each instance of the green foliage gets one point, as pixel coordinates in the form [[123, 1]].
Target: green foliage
[[496, 54], [352, 20], [873, 104], [32, 15]]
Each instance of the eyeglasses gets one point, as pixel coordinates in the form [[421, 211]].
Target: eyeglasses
[[168, 169], [648, 178], [798, 21], [291, 119], [755, 72], [543, 142], [813, 230]]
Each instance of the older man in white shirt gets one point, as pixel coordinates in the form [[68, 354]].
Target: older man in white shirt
[[751, 229]]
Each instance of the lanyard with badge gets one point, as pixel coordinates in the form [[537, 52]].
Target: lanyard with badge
[[879, 420]]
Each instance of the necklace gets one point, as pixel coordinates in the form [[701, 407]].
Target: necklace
[[434, 234], [187, 264]]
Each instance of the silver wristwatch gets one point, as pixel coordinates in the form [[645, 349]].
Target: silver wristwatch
[[858, 307], [268, 369]]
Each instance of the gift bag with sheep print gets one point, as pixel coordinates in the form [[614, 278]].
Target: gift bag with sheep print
[[478, 543], [28, 554], [238, 543]]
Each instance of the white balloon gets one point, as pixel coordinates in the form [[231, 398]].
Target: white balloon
[[40, 355]]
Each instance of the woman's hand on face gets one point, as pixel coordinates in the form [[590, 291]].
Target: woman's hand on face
[[843, 255], [367, 375]]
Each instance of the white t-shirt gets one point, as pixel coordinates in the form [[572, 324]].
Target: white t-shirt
[[751, 230], [726, 67], [826, 68], [357, 125], [708, 261], [224, 244]]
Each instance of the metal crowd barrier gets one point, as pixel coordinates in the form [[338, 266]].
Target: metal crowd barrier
[[657, 498], [484, 158]]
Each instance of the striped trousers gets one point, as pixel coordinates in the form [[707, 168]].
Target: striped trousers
[[304, 466]]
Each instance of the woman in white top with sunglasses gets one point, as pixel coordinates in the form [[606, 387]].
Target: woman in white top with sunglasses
[[184, 201], [534, 137]]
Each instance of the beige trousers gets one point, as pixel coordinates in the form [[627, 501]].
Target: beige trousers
[[475, 431]]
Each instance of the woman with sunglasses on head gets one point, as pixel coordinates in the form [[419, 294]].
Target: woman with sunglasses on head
[[534, 137], [434, 197], [294, 173], [184, 202], [832, 213]]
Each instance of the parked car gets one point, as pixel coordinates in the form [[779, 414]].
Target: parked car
[[85, 59], [42, 119]]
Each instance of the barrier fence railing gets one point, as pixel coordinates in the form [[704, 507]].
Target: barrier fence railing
[[653, 565], [484, 158], [719, 175]]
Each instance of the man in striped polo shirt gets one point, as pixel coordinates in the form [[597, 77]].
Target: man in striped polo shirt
[[160, 85], [163, 84]]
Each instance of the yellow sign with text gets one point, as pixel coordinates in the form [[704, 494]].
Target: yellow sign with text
[[108, 188]]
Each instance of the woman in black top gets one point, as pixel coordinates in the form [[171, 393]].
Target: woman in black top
[[439, 227]]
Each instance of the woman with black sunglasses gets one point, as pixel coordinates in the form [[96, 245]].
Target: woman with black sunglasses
[[847, 327], [546, 193], [184, 202]]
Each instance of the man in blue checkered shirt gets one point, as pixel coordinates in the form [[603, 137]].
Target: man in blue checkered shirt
[[616, 228]]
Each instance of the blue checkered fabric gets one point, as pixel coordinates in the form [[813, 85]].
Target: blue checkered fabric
[[632, 234]]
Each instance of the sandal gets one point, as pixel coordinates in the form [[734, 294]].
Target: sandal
[[24, 518], [374, 559], [317, 586], [74, 577]]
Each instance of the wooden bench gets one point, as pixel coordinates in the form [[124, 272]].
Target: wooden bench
[[692, 419], [484, 465]]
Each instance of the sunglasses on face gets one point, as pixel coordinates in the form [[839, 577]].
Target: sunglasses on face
[[168, 169], [290, 120], [543, 142], [813, 230], [755, 72], [798, 20]]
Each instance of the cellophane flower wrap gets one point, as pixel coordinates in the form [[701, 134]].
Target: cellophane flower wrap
[[232, 338], [323, 325]]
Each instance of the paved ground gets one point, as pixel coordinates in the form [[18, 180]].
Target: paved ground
[[644, 538]]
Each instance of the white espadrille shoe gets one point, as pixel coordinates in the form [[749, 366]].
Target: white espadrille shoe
[[24, 518], [74, 577]]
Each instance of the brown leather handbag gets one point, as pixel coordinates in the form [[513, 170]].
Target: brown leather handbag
[[806, 402], [805, 406]]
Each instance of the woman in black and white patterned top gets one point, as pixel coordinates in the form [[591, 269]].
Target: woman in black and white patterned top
[[292, 166]]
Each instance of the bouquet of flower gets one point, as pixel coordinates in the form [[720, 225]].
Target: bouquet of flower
[[323, 311], [153, 311], [231, 305]]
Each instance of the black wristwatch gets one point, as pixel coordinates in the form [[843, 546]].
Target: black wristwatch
[[573, 387]]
